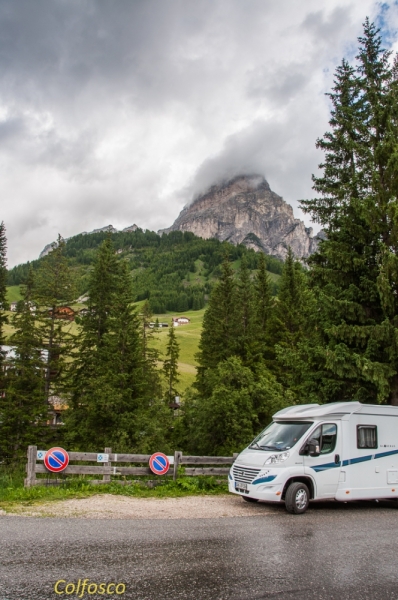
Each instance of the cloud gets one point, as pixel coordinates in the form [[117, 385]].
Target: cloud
[[120, 112]]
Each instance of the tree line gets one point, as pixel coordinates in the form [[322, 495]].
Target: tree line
[[174, 271]]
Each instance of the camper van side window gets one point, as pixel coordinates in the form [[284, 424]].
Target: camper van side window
[[326, 435], [366, 436]]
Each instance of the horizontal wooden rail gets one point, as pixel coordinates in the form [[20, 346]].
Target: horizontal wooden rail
[[113, 467], [91, 470], [206, 460], [206, 471]]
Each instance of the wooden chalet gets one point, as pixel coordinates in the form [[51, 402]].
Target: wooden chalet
[[64, 312]]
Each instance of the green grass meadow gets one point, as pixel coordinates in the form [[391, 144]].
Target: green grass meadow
[[188, 337], [13, 293]]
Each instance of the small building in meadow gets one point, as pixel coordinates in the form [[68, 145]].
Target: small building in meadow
[[180, 321], [64, 312]]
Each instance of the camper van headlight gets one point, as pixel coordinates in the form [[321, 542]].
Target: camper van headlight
[[277, 458]]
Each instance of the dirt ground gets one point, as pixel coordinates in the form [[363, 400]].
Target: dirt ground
[[107, 506]]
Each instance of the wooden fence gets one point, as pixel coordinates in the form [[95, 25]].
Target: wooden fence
[[113, 469]]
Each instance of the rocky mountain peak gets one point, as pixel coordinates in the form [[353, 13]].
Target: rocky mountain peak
[[244, 210]]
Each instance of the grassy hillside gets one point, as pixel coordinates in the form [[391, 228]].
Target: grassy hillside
[[13, 293], [176, 272], [188, 337]]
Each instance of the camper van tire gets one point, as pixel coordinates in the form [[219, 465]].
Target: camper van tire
[[297, 498], [249, 499]]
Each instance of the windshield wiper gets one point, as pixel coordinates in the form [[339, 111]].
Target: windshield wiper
[[255, 444], [263, 447]]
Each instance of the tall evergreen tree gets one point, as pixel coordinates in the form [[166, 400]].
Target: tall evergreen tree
[[245, 327], [23, 406], [263, 311], [53, 289], [218, 339], [353, 272], [3, 294], [170, 365], [291, 308], [114, 400]]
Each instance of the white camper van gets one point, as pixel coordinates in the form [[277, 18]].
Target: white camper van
[[342, 451]]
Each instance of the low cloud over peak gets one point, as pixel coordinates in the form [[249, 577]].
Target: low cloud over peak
[[125, 112]]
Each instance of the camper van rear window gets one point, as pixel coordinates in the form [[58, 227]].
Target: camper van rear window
[[366, 436]]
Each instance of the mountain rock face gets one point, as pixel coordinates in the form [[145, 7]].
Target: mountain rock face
[[246, 211]]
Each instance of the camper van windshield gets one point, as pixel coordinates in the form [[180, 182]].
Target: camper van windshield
[[280, 436]]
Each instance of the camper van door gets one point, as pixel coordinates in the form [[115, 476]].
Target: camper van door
[[325, 468]]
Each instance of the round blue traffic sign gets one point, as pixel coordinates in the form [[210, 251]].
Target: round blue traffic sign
[[159, 463], [56, 460]]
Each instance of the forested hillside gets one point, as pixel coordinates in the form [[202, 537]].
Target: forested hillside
[[174, 271]]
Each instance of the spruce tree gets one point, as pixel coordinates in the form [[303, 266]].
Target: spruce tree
[[3, 294], [298, 360], [290, 310], [245, 316], [115, 392], [353, 273], [263, 311], [23, 407], [53, 289], [170, 364], [218, 339]]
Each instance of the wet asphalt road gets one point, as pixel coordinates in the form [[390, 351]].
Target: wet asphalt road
[[334, 551]]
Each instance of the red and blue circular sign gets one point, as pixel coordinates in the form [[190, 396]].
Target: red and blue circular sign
[[159, 463], [56, 460]]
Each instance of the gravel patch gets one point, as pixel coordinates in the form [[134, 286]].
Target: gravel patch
[[107, 506]]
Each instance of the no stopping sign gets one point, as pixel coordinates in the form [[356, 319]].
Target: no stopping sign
[[159, 463], [56, 460]]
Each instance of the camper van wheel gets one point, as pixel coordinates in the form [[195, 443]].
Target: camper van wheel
[[248, 499], [297, 498]]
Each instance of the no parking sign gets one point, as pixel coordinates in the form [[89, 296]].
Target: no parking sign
[[56, 460], [159, 463]]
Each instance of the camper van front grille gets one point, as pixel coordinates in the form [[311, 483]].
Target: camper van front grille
[[244, 474]]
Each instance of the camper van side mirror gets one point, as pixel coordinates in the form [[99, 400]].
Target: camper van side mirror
[[312, 447]]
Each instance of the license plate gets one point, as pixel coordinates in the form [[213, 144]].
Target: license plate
[[241, 487]]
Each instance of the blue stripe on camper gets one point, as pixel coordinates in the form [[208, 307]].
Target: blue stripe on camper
[[358, 459], [264, 479], [326, 466], [383, 454]]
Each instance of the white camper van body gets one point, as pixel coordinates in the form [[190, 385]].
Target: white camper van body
[[358, 460]]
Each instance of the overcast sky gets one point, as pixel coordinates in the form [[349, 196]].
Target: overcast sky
[[119, 112]]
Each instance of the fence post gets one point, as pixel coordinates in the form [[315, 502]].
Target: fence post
[[31, 467], [177, 458], [108, 464], [235, 455]]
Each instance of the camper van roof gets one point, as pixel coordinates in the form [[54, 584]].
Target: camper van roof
[[309, 411]]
